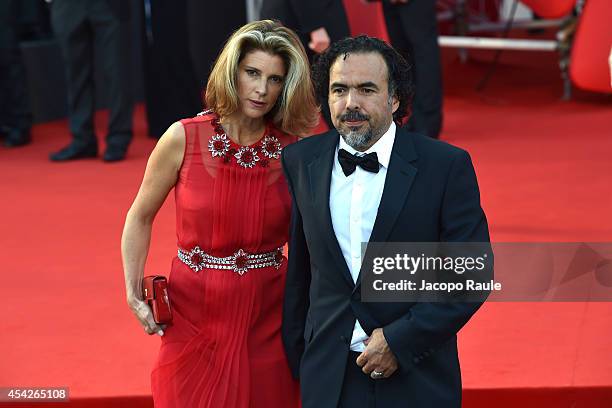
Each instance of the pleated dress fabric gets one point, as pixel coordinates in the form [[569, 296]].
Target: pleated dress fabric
[[224, 348]]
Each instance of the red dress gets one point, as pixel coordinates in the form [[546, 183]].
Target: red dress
[[224, 348]]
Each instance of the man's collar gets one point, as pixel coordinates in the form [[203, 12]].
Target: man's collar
[[382, 147]]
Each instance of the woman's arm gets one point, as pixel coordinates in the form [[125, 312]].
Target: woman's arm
[[160, 177]]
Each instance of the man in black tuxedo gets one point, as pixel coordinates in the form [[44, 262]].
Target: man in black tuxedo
[[82, 26], [369, 180], [318, 23]]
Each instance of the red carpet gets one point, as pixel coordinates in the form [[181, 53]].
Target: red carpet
[[545, 174]]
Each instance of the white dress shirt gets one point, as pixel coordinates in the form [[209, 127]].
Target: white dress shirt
[[353, 203]]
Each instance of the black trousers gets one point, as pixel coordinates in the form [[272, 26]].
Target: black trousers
[[172, 91], [82, 26], [210, 24], [14, 100], [413, 31], [358, 389]]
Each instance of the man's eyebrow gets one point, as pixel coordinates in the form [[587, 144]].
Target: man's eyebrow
[[368, 84]]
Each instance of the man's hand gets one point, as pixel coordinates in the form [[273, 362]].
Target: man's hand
[[319, 40], [377, 357]]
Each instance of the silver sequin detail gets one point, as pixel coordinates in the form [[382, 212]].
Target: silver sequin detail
[[252, 261]]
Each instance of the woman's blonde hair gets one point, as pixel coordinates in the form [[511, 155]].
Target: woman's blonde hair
[[295, 111]]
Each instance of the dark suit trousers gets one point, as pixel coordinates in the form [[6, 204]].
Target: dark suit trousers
[[14, 99], [413, 31], [358, 389], [172, 91], [82, 26], [210, 23]]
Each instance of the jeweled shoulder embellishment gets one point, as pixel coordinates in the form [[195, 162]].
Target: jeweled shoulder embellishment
[[247, 157], [271, 147]]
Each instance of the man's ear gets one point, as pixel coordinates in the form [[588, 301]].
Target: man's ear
[[395, 103]]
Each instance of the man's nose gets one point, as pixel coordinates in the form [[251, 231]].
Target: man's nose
[[352, 100]]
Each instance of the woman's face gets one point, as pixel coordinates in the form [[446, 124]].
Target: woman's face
[[260, 82]]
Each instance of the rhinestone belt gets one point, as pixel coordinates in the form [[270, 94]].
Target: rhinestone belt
[[240, 262]]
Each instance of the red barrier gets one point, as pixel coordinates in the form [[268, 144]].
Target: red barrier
[[589, 60]]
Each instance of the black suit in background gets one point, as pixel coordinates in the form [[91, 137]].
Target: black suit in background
[[182, 40], [210, 25], [82, 26], [15, 114], [172, 91], [413, 31], [305, 16], [430, 195]]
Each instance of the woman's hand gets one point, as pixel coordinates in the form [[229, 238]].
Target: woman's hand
[[143, 313], [160, 177]]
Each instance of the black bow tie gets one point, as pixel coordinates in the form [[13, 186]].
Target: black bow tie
[[349, 162]]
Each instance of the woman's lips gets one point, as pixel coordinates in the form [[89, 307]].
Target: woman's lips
[[257, 104]]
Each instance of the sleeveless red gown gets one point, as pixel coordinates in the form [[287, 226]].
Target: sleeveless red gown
[[224, 348]]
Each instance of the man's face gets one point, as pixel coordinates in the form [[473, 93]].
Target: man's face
[[359, 101]]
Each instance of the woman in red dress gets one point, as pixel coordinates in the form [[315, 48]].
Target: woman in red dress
[[223, 348]]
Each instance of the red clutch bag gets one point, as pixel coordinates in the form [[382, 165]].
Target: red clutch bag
[[155, 291]]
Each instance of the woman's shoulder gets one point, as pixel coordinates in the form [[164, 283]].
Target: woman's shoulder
[[203, 117]]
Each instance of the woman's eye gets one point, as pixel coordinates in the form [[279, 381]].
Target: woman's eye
[[251, 72], [276, 80]]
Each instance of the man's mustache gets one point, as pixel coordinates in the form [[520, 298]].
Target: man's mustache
[[353, 116]]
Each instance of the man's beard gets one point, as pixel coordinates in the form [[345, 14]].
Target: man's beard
[[357, 139]]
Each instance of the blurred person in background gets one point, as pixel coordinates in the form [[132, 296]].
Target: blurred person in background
[[319, 23], [15, 113], [83, 27], [210, 24], [233, 206], [413, 31], [172, 90], [182, 38]]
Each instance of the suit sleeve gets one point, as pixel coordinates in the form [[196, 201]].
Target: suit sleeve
[[427, 326], [297, 285]]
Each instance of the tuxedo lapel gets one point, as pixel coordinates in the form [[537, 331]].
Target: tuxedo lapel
[[319, 173], [400, 176]]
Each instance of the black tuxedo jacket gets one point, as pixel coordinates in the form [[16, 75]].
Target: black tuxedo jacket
[[430, 195]]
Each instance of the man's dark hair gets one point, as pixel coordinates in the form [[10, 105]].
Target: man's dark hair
[[400, 73]]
